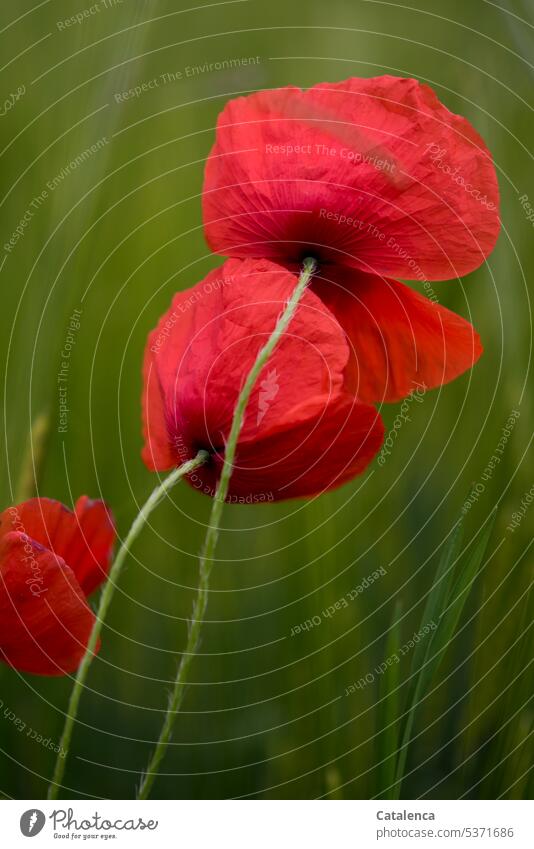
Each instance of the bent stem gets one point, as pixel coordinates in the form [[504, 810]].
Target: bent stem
[[105, 600], [212, 535]]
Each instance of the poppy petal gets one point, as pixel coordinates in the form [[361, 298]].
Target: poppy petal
[[83, 538], [192, 382], [372, 173], [399, 339], [323, 443], [45, 621], [90, 550], [157, 452]]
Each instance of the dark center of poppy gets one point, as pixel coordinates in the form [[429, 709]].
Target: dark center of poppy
[[308, 253]]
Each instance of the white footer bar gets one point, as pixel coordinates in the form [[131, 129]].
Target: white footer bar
[[269, 824]]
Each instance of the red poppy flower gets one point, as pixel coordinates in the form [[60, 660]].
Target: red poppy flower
[[50, 559], [303, 432], [372, 173], [372, 177]]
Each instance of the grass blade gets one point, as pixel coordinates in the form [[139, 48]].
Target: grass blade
[[450, 616], [445, 603], [389, 709]]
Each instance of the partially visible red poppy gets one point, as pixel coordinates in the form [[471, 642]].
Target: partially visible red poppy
[[303, 432], [51, 558], [372, 173]]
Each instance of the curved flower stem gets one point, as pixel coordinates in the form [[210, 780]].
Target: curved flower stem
[[212, 535], [154, 499]]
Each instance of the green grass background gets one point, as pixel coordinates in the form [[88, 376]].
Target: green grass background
[[266, 713]]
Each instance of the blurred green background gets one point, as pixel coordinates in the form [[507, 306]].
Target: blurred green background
[[266, 714]]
